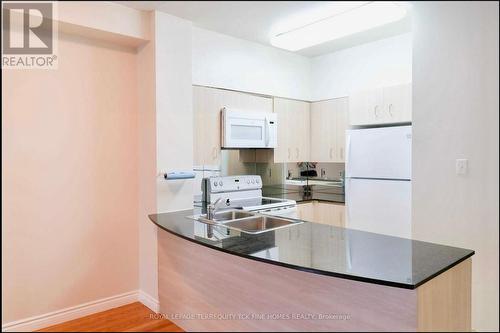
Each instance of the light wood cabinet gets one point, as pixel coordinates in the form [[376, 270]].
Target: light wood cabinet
[[328, 126], [305, 211], [292, 242], [442, 304], [387, 105], [397, 101], [293, 130], [330, 213], [365, 106], [341, 122], [329, 248], [306, 131], [321, 144], [207, 105], [206, 141]]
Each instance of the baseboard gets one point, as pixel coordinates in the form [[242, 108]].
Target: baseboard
[[149, 301], [74, 312]]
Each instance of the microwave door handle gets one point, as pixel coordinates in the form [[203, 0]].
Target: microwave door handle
[[267, 129]]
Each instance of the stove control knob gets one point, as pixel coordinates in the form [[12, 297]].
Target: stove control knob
[[248, 181], [215, 183], [253, 181], [257, 181], [220, 182]]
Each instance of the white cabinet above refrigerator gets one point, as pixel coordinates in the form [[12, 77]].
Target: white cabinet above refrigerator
[[386, 105]]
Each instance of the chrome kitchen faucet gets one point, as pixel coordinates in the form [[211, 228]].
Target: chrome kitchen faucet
[[212, 208]]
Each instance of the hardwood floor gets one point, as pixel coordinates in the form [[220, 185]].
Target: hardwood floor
[[134, 317]]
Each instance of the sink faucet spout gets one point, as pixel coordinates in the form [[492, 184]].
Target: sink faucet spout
[[212, 208]]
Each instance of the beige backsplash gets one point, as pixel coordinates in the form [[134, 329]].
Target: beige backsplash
[[246, 162], [332, 170]]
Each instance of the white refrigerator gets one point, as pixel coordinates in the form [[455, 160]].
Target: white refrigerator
[[378, 180]]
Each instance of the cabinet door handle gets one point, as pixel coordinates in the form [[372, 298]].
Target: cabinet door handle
[[331, 152], [390, 110], [375, 111]]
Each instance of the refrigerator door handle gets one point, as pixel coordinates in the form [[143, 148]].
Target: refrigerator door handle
[[347, 156], [348, 253], [347, 184]]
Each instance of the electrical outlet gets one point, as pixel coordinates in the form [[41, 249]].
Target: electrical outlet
[[461, 166]]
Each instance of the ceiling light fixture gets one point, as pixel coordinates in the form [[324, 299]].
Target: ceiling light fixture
[[350, 19]]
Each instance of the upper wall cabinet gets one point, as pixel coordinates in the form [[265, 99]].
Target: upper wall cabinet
[[388, 105], [328, 126], [207, 106], [293, 130]]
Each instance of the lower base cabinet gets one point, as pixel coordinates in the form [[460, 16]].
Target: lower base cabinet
[[305, 211], [330, 213], [188, 285]]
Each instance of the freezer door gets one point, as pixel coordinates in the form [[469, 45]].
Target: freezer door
[[381, 206], [379, 153]]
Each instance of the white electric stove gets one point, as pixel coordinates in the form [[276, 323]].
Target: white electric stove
[[245, 192]]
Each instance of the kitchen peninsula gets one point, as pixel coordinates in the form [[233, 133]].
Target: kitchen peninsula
[[309, 276]]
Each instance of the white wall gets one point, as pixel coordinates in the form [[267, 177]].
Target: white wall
[[383, 62], [101, 18], [174, 111], [455, 115], [226, 62], [146, 110], [166, 133]]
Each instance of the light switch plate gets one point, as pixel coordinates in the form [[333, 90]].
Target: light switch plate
[[461, 166]]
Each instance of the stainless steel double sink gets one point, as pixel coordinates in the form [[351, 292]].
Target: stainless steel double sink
[[246, 222]]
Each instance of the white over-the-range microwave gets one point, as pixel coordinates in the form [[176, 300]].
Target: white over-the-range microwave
[[247, 129]]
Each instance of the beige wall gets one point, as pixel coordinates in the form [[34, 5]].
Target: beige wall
[[69, 180], [455, 115]]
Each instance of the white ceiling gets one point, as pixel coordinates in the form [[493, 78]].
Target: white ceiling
[[253, 20]]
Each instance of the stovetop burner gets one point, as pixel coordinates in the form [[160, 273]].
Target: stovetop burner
[[260, 203]]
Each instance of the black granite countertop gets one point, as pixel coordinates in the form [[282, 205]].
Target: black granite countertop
[[301, 193], [326, 250]]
